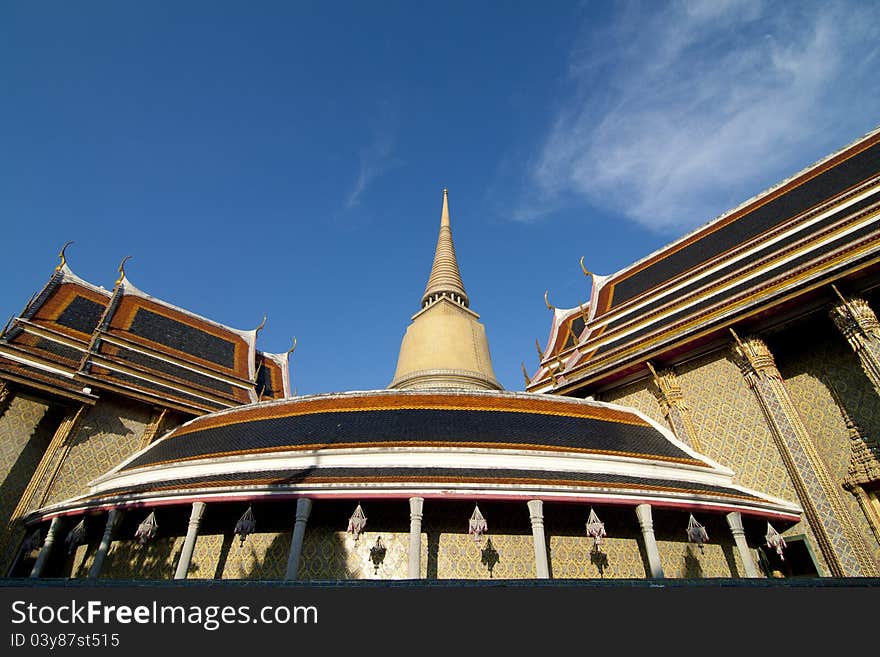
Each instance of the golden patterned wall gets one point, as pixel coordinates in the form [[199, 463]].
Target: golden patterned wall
[[636, 395], [809, 374], [683, 559], [733, 431], [572, 552], [104, 436], [332, 555], [127, 559], [26, 428], [730, 425], [447, 551], [262, 556]]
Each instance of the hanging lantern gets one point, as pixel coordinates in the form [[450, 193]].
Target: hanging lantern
[[377, 554], [595, 528], [76, 536], [146, 531], [696, 533], [245, 525], [357, 522], [775, 541], [477, 525]]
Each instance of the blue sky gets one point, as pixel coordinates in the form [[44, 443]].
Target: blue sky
[[289, 158]]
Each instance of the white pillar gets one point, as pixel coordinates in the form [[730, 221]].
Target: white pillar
[[734, 521], [536, 515], [415, 536], [303, 507], [54, 527], [643, 513], [192, 532], [106, 540]]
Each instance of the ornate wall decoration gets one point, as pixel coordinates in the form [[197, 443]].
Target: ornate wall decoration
[[810, 377], [127, 559], [839, 542], [857, 322], [107, 434], [25, 431], [222, 556], [637, 395], [673, 405]]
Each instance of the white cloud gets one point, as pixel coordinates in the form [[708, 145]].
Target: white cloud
[[676, 114], [377, 157], [375, 160]]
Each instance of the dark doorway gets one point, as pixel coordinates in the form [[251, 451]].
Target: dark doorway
[[796, 561]]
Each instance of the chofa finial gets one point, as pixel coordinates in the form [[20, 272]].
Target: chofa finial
[[262, 324], [290, 351], [62, 256], [586, 271], [547, 300], [121, 269]]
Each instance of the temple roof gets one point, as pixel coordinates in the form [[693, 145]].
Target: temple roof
[[815, 228], [431, 443], [75, 338]]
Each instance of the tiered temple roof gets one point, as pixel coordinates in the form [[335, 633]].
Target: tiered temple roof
[[76, 339], [779, 250]]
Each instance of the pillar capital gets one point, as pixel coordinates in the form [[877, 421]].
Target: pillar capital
[[303, 508], [853, 316], [754, 358]]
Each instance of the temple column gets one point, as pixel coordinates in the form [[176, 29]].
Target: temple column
[[192, 532], [671, 400], [864, 470], [303, 507], [857, 322], [734, 521], [415, 536], [646, 522], [54, 528], [841, 545], [104, 547], [536, 515]]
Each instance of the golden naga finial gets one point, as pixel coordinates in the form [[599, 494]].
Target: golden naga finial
[[547, 300], [290, 351], [262, 324], [540, 351], [62, 256], [525, 373], [121, 269], [586, 271]]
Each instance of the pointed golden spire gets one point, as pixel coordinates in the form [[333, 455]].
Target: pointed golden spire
[[445, 346], [445, 277]]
